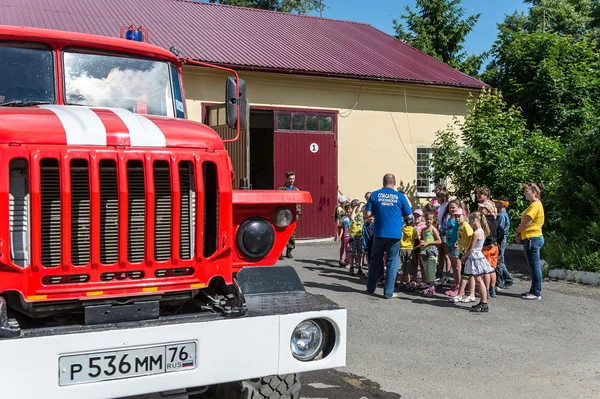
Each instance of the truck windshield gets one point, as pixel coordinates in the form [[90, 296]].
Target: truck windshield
[[101, 80], [26, 75]]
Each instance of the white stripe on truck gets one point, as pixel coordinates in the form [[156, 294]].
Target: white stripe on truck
[[82, 125], [142, 131]]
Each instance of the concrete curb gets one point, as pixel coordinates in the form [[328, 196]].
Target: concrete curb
[[314, 240], [589, 278]]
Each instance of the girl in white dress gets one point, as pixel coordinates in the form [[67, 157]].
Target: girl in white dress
[[475, 262]]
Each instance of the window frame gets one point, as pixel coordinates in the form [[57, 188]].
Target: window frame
[[432, 182]]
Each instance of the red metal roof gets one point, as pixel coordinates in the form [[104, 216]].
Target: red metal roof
[[244, 37]]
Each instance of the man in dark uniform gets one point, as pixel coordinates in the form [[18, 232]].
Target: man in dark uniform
[[289, 185]]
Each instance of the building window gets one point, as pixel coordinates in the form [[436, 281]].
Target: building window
[[425, 182], [304, 122]]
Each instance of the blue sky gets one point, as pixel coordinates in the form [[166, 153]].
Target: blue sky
[[379, 13]]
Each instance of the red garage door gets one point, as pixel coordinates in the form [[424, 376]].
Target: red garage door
[[305, 142]]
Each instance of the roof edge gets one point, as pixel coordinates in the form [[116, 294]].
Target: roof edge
[[301, 72]]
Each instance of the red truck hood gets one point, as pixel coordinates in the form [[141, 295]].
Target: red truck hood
[[83, 126]]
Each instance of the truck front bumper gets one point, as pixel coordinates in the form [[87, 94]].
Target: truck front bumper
[[251, 346]]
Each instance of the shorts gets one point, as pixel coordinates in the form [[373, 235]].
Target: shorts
[[462, 268], [491, 254], [430, 264], [356, 246], [406, 261], [453, 251]]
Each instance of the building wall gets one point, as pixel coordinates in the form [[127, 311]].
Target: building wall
[[376, 134]]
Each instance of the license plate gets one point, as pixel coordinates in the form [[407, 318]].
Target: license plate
[[126, 363]]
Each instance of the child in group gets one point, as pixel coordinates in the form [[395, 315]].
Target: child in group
[[430, 239], [465, 232], [490, 246], [365, 259], [483, 197], [337, 215], [419, 223], [475, 262], [367, 238], [356, 247], [410, 239], [344, 236], [452, 245], [503, 277], [442, 196]]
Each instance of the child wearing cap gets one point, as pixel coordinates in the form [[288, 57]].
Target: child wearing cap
[[337, 215], [490, 245], [430, 239], [408, 242], [419, 223], [503, 277], [356, 247], [465, 231]]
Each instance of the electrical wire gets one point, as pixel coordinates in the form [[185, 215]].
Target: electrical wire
[[412, 143], [402, 141]]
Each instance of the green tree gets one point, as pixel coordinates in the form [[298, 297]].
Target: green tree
[[553, 78], [299, 6], [439, 28], [493, 147]]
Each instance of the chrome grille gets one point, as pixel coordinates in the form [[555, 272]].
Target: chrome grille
[[136, 203], [50, 206], [109, 213], [18, 213], [162, 211], [80, 212], [188, 210]]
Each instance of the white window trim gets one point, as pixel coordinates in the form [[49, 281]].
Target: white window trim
[[432, 185]]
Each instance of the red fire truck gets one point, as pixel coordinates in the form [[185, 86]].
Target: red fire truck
[[128, 264]]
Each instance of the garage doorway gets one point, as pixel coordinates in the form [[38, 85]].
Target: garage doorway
[[261, 150]]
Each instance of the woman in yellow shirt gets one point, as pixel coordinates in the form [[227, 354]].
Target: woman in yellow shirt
[[530, 234]]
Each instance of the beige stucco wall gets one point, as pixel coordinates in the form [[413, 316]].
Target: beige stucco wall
[[376, 134]]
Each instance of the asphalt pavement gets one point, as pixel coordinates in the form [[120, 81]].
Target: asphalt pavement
[[419, 347]]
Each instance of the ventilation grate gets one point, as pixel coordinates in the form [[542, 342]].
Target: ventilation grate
[[50, 212], [109, 212], [136, 203], [80, 212], [188, 210], [162, 211]]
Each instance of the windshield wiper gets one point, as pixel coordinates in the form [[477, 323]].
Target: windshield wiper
[[20, 103]]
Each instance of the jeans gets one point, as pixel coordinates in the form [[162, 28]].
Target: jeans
[[532, 247], [502, 274], [391, 246]]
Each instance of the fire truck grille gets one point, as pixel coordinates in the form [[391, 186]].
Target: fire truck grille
[[113, 210], [109, 212], [80, 213], [188, 210], [162, 211], [137, 204], [50, 206]]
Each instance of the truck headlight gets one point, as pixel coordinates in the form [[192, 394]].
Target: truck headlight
[[307, 340], [255, 238], [283, 217]]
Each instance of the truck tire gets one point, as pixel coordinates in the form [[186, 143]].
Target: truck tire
[[271, 387]]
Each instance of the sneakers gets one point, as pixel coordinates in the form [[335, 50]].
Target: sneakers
[[530, 296], [352, 271], [429, 292], [467, 299], [480, 308], [360, 272], [456, 299], [492, 292], [394, 295], [453, 291]]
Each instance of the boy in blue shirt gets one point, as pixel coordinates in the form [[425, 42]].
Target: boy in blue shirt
[[503, 277], [389, 207]]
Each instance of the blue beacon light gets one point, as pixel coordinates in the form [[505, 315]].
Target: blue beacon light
[[134, 34]]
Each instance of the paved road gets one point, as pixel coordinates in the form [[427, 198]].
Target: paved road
[[418, 347]]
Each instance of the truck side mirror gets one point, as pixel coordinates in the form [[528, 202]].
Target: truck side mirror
[[231, 101]]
